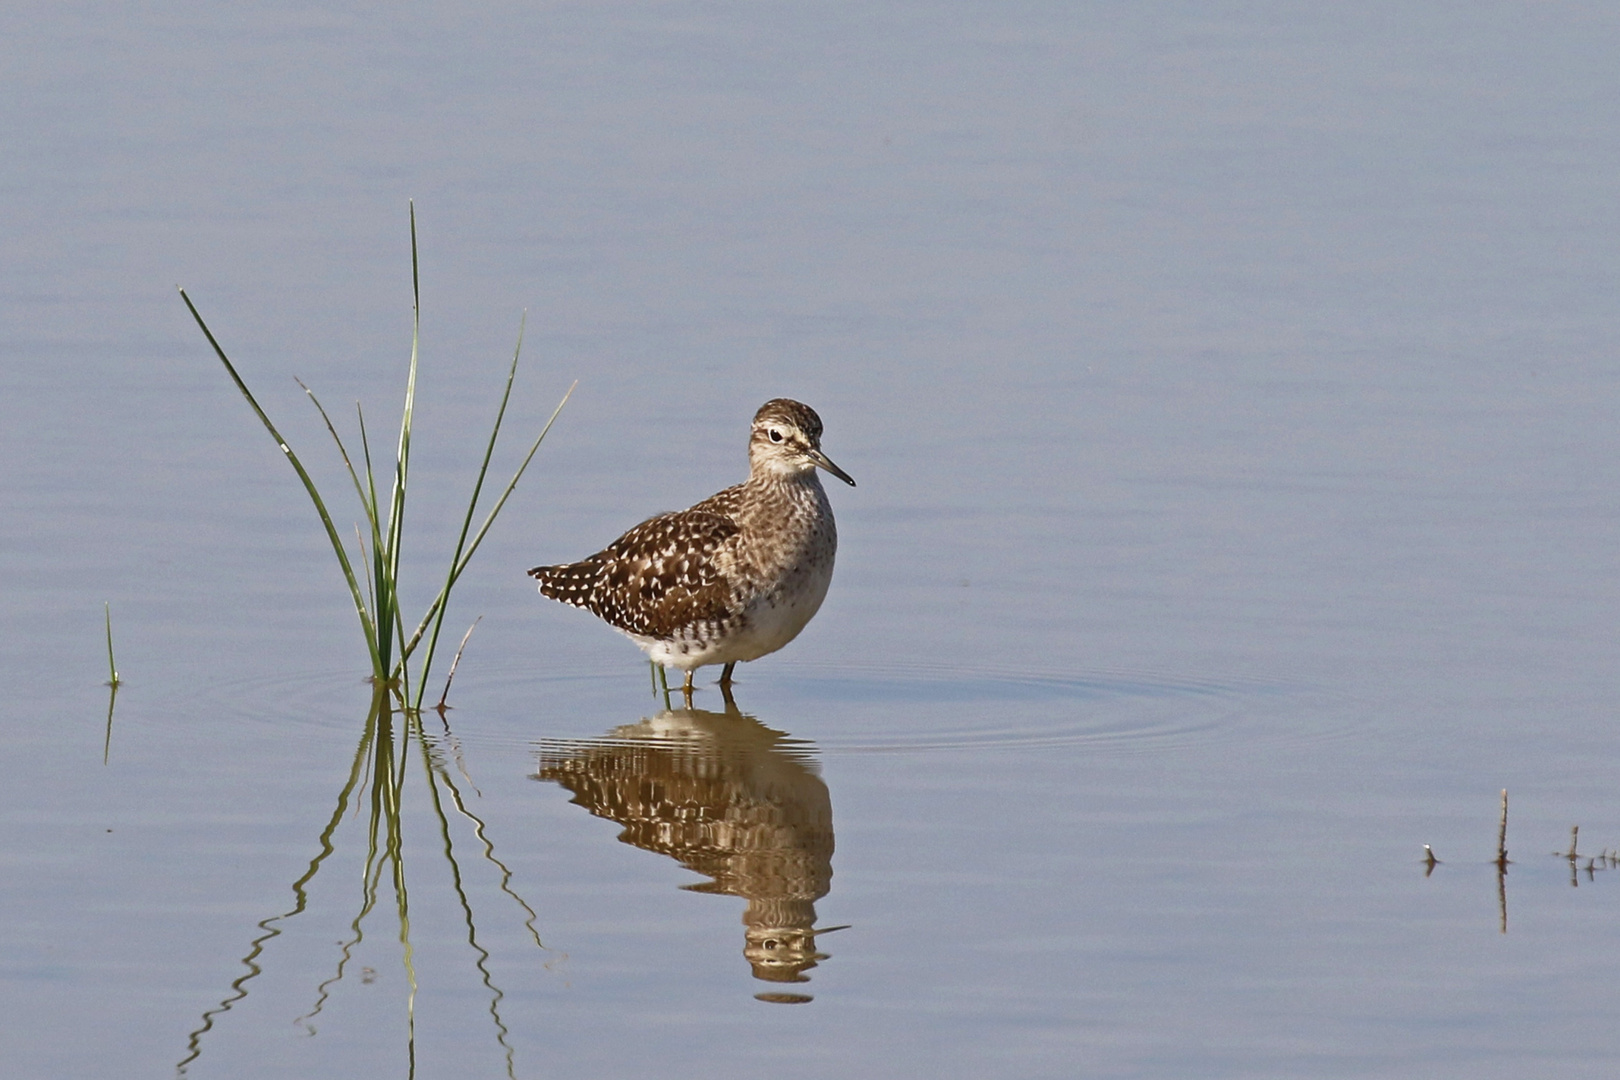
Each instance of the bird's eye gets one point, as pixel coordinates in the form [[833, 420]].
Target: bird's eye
[[776, 436]]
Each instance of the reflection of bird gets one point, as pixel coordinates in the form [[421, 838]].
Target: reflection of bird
[[733, 578], [726, 796]]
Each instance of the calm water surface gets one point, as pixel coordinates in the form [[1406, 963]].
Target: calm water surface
[[1232, 393]]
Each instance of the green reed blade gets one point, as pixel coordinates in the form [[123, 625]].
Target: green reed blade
[[402, 458], [360, 545], [368, 505], [368, 498], [472, 507], [379, 564], [489, 520], [404, 676], [511, 486], [378, 607], [384, 575], [379, 669]]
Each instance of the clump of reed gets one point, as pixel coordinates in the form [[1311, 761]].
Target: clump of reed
[[372, 572]]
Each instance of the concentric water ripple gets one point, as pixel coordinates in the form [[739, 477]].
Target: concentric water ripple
[[870, 708], [928, 707], [845, 709]]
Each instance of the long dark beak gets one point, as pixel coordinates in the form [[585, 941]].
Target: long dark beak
[[826, 463]]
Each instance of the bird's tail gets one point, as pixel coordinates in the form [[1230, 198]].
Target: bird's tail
[[572, 583]]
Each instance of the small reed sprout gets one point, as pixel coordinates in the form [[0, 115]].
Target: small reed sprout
[[112, 667], [372, 572]]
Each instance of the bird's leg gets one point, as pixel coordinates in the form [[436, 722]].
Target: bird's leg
[[686, 689], [725, 673]]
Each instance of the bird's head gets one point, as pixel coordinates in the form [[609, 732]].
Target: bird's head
[[786, 441]]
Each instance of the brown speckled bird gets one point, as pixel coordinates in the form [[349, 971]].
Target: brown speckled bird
[[735, 577]]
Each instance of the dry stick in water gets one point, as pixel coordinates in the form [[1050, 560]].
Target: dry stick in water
[[113, 681], [1502, 864], [441, 706], [1501, 835]]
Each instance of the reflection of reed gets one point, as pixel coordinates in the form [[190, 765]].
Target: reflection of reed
[[106, 742], [726, 796], [380, 763]]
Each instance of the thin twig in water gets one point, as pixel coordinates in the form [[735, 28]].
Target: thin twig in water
[[1501, 834], [441, 706], [1502, 865], [113, 681]]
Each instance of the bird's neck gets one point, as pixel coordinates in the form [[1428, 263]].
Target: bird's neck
[[774, 496]]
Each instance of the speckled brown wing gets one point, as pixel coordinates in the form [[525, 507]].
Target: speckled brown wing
[[660, 576]]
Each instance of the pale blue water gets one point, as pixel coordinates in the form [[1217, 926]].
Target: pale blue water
[[1232, 394]]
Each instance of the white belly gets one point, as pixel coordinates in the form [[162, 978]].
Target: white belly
[[772, 620]]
